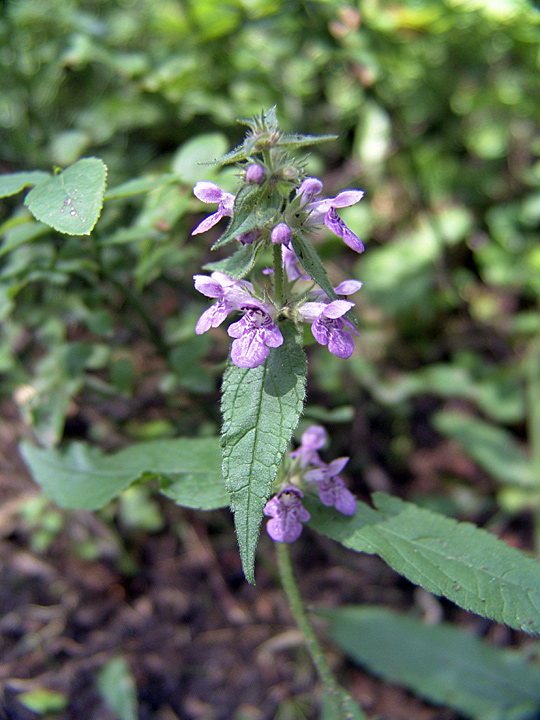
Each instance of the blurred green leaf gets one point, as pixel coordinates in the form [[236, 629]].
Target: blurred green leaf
[[116, 685], [84, 477], [43, 701], [443, 664], [492, 447]]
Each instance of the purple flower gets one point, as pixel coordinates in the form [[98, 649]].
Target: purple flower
[[332, 490], [329, 326], [324, 211], [209, 192], [347, 287], [312, 440], [230, 295], [255, 174], [287, 513], [255, 334]]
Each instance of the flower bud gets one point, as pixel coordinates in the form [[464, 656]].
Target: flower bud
[[281, 234], [255, 174]]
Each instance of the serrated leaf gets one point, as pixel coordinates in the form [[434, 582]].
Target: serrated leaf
[[253, 208], [459, 561], [70, 201], [312, 263], [138, 186], [12, 183], [261, 408], [492, 447], [84, 477], [439, 662], [240, 263]]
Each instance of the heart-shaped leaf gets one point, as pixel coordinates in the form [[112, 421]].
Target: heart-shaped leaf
[[71, 201]]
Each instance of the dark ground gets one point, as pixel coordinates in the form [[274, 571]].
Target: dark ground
[[201, 643]]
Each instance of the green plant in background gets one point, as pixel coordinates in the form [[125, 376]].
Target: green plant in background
[[435, 108]]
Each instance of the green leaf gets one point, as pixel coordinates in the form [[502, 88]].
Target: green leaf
[[71, 201], [261, 408], [43, 701], [139, 186], [117, 687], [191, 160], [439, 662], [12, 183], [253, 207], [493, 448], [296, 140], [459, 561], [84, 477], [312, 263], [240, 263]]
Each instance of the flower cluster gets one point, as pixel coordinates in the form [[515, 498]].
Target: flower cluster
[[257, 331], [306, 468]]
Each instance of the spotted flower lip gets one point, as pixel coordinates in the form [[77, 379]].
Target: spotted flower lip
[[332, 490], [325, 211], [329, 327], [208, 192], [287, 513], [255, 333]]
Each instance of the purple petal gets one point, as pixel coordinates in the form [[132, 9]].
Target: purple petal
[[284, 528], [208, 222], [341, 344], [255, 174], [249, 350], [208, 192], [271, 508], [337, 308], [309, 188], [336, 466], [348, 287], [239, 328], [321, 332], [212, 318], [273, 337], [314, 437], [346, 502], [281, 234], [311, 310], [334, 223], [208, 286], [347, 198]]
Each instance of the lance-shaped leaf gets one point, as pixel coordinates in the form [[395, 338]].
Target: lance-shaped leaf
[[459, 561], [240, 263], [253, 207], [84, 477], [261, 408], [12, 183], [71, 200], [296, 140], [439, 662]]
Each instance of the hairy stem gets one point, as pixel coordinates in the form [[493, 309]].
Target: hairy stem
[[336, 694]]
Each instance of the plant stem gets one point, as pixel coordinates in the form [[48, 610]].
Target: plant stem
[[333, 690], [278, 275]]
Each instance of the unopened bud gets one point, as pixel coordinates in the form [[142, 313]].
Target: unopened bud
[[281, 234], [255, 174]]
